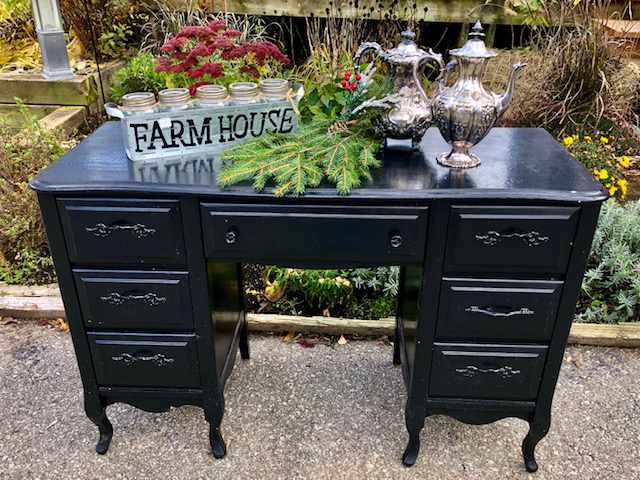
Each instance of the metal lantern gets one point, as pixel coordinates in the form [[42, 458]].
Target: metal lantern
[[51, 39]]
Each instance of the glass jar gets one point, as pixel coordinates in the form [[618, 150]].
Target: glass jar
[[211, 95], [244, 92], [274, 88], [138, 102], [174, 98]]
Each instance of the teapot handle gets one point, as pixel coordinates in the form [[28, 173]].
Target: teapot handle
[[362, 49], [431, 56]]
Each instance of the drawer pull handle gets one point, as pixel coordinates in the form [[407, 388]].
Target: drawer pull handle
[[530, 239], [396, 240], [115, 298], [471, 371], [231, 236], [139, 230], [158, 359], [492, 312]]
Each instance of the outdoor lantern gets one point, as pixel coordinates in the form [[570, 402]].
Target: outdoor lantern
[[51, 39]]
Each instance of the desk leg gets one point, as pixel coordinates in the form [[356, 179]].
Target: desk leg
[[213, 414], [244, 339], [538, 429], [415, 423], [97, 413]]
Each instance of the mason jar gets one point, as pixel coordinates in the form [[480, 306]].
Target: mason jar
[[274, 88], [211, 95], [244, 92], [174, 98], [138, 102]]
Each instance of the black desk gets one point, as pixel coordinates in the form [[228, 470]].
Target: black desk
[[148, 256]]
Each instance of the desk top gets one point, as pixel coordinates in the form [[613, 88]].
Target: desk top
[[517, 163]]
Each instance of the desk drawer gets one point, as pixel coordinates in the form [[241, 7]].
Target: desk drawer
[[145, 360], [498, 309], [280, 233], [510, 239], [497, 372], [122, 231], [123, 300]]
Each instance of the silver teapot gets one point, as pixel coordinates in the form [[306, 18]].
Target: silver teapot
[[407, 109], [465, 111]]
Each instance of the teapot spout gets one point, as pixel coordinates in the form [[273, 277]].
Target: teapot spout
[[503, 101]]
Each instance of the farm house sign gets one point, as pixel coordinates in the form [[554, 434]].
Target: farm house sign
[[201, 128]]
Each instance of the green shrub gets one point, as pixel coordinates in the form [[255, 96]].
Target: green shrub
[[366, 293], [611, 285], [24, 254], [139, 75]]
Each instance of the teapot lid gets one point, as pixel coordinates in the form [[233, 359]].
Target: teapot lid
[[407, 50], [475, 46]]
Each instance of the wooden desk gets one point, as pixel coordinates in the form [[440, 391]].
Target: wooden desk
[[148, 257]]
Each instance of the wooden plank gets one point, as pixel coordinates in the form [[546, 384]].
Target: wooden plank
[[32, 88], [324, 325], [615, 335], [65, 118], [50, 306], [50, 290], [436, 10]]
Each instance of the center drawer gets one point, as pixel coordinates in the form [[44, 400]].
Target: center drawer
[[496, 372], [387, 235], [145, 360], [124, 299], [520, 310]]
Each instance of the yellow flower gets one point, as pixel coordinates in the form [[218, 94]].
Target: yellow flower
[[602, 174], [624, 161], [575, 137], [587, 139], [623, 185], [604, 140], [568, 141], [612, 190]]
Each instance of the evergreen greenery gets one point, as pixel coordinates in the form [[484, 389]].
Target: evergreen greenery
[[293, 162]]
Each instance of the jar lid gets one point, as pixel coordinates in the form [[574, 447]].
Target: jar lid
[[211, 92], [174, 96], [274, 86], [138, 100], [243, 90]]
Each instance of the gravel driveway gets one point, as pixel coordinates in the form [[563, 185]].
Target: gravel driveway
[[293, 412]]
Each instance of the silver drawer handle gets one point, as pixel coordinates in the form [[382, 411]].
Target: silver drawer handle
[[530, 239], [115, 298], [490, 311], [139, 230], [472, 371], [158, 359]]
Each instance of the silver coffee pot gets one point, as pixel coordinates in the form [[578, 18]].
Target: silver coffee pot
[[466, 111], [407, 109]]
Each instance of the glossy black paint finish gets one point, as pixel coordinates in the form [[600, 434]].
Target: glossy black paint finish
[[491, 263], [486, 309], [136, 299]]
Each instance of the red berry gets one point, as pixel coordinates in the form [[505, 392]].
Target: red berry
[[358, 77], [347, 75]]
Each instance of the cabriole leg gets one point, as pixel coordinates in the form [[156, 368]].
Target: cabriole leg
[[218, 447], [213, 413], [414, 427], [537, 431], [104, 427]]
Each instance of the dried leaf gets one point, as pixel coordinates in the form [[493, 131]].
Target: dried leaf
[[8, 321], [342, 340], [60, 324], [289, 337]]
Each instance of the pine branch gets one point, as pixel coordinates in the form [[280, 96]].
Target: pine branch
[[301, 160]]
